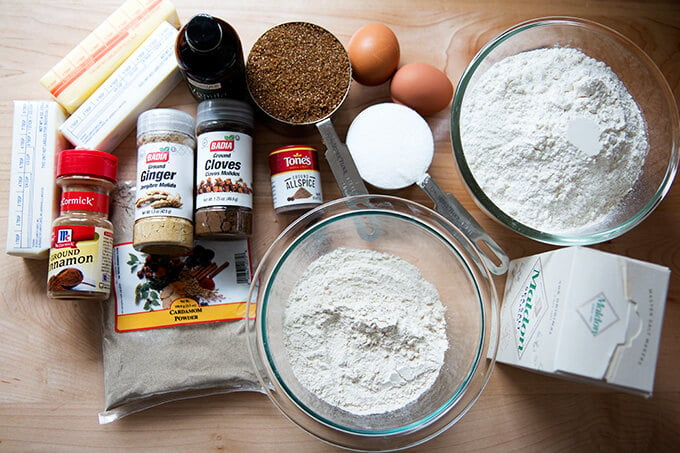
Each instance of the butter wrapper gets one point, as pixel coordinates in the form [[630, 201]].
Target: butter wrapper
[[92, 61], [33, 193], [140, 83]]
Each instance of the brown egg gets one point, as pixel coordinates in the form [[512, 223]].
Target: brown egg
[[424, 88], [374, 54]]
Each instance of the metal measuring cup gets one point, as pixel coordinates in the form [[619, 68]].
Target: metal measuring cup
[[412, 168], [337, 154], [349, 179]]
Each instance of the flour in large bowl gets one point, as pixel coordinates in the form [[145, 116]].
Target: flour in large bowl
[[553, 138], [364, 331]]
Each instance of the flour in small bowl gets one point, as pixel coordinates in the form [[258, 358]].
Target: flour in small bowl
[[364, 331], [553, 138]]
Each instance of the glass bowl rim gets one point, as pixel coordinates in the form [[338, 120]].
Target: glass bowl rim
[[490, 207], [270, 360], [484, 356]]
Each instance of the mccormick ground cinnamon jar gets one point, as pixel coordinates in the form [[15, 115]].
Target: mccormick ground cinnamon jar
[[296, 181], [82, 235]]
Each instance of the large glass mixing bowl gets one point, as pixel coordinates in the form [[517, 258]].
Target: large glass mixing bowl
[[445, 258], [644, 81]]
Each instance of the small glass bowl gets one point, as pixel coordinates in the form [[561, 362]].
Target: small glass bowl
[[644, 81], [425, 239]]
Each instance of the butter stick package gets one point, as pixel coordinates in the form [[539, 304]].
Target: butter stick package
[[32, 193], [585, 315], [141, 83], [73, 79]]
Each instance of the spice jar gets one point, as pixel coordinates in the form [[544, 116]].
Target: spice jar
[[165, 179], [224, 172], [210, 57], [82, 235], [296, 180]]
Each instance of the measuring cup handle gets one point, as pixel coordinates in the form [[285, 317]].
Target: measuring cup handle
[[340, 160], [447, 205], [346, 174]]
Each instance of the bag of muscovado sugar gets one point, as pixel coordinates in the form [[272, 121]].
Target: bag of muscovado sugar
[[174, 327]]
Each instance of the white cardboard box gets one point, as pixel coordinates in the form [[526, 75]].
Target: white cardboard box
[[585, 315]]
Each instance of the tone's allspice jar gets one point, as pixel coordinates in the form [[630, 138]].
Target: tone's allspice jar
[[224, 169], [164, 202], [296, 180]]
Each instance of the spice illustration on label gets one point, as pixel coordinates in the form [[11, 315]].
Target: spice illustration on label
[[300, 194], [159, 199], [68, 278], [209, 284], [165, 279]]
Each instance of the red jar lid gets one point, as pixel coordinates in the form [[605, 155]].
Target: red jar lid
[[87, 162]]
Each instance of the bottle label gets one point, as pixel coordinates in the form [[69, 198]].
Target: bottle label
[[204, 86], [77, 200], [204, 91], [295, 176], [80, 259], [224, 171], [164, 183]]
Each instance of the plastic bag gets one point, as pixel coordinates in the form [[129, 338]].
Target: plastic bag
[[145, 367]]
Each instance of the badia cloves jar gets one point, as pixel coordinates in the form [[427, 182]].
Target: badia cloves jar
[[224, 169]]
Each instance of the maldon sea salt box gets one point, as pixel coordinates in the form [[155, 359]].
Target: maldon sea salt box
[[585, 315]]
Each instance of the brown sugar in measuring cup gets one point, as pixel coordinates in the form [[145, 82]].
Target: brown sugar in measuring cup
[[298, 74]]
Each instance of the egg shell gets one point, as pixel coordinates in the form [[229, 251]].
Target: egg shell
[[421, 86], [374, 54]]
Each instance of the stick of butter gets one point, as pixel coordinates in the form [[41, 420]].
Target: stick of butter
[[32, 192], [87, 65], [140, 83]]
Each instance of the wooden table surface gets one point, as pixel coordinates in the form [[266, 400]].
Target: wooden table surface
[[51, 385]]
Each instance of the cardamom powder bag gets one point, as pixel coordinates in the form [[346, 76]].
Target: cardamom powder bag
[[145, 368]]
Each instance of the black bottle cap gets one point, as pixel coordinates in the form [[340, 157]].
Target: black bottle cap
[[203, 33]]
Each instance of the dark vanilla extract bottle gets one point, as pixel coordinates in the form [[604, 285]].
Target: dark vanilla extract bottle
[[210, 57]]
